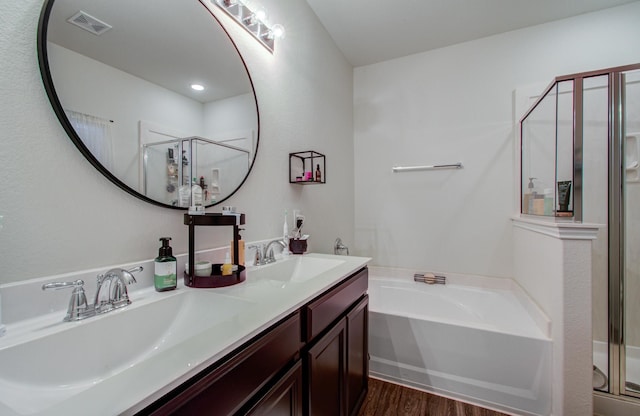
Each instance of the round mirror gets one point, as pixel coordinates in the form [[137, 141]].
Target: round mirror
[[154, 94]]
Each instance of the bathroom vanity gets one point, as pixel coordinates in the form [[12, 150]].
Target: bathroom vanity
[[289, 340], [314, 361]]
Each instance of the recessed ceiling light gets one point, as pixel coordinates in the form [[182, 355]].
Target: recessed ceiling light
[[197, 87]]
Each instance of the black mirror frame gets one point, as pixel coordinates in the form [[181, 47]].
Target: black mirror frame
[[43, 63]]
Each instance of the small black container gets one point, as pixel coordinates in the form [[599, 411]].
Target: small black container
[[297, 246]]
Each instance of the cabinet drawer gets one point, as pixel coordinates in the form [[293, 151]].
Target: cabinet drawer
[[227, 388], [321, 312]]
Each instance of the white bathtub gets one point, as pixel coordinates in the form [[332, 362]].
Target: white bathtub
[[482, 342]]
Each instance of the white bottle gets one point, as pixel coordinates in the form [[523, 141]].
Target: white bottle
[[285, 235], [184, 193], [196, 194]]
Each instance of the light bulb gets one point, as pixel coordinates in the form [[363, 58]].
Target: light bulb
[[197, 87], [260, 14], [277, 31]]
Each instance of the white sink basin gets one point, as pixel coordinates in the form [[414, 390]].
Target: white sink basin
[[57, 360], [295, 269]]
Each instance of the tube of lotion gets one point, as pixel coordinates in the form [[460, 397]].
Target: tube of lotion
[[564, 193]]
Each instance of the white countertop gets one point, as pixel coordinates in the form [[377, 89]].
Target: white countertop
[[139, 385]]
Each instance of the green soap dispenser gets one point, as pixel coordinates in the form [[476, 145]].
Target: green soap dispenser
[[165, 276]]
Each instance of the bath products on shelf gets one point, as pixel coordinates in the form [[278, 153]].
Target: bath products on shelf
[[227, 267], [548, 201], [184, 194], [196, 207], [206, 195], [285, 233], [203, 268], [564, 195], [529, 203], [240, 250], [318, 174], [196, 193], [165, 268], [538, 205]]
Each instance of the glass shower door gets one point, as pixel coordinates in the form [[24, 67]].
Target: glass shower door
[[631, 231], [595, 175]]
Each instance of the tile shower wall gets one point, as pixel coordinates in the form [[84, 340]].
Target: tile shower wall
[[455, 104]]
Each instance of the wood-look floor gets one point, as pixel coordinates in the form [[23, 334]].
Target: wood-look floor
[[386, 399]]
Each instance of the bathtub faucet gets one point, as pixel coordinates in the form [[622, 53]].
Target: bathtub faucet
[[430, 278]]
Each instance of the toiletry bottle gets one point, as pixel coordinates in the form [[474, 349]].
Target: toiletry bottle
[[240, 249], [527, 199], [285, 234], [196, 194], [226, 268], [318, 174], [548, 201], [165, 276], [206, 198], [184, 194]]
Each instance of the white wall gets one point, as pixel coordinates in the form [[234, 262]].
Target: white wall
[[91, 87], [229, 115], [61, 215], [455, 104]]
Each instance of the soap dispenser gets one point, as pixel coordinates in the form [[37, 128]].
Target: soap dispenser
[[527, 199], [165, 275]]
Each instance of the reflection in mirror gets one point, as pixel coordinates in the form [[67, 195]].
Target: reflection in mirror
[[119, 75]]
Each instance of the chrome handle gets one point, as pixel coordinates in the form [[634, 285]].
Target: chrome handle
[[136, 269], [78, 306], [62, 285]]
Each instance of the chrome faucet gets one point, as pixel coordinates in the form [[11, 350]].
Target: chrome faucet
[[114, 283], [264, 252], [111, 294]]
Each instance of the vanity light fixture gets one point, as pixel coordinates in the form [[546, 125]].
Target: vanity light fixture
[[197, 87], [253, 21]]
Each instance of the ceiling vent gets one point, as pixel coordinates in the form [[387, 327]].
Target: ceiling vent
[[89, 23]]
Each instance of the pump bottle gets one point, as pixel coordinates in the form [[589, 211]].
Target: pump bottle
[[165, 275]]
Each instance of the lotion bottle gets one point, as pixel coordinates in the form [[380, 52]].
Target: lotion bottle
[[165, 276], [240, 249]]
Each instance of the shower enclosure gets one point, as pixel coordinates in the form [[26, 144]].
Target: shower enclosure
[[582, 136], [217, 166]]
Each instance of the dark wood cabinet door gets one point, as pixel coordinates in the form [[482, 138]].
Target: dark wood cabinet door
[[226, 389], [357, 355], [326, 364], [283, 399]]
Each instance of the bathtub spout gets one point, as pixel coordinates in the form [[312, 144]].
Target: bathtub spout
[[429, 278]]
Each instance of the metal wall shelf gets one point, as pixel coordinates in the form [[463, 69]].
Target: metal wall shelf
[[307, 168]]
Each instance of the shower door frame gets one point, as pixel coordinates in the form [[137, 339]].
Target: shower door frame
[[616, 211], [616, 221]]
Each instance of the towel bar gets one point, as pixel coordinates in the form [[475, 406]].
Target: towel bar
[[430, 167]]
